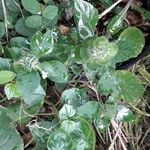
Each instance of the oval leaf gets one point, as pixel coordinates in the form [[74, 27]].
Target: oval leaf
[[6, 76], [130, 43], [50, 12], [33, 21], [32, 6]]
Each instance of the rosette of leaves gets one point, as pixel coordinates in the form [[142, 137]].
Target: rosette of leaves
[[27, 68], [39, 17]]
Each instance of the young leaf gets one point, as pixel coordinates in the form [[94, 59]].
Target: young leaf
[[50, 12], [33, 21], [32, 6], [59, 140], [66, 112], [115, 25], [9, 137], [11, 90], [2, 29], [42, 45], [86, 17], [6, 76], [128, 45], [121, 85], [74, 97], [55, 70]]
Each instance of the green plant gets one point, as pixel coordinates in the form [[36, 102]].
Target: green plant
[[41, 52]]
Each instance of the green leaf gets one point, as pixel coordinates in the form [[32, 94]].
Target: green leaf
[[22, 29], [40, 133], [5, 64], [124, 114], [1, 49], [121, 85], [33, 21], [22, 113], [59, 140], [86, 18], [81, 132], [74, 97], [88, 110], [13, 5], [42, 45], [20, 42], [102, 122], [67, 111], [50, 12], [115, 25], [28, 84], [69, 126], [49, 23], [2, 29], [9, 137], [106, 3], [55, 70], [98, 51], [128, 45], [6, 76], [11, 90], [32, 6]]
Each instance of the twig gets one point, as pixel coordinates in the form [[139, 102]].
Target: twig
[[5, 19], [139, 111], [19, 8], [120, 138], [109, 9], [114, 139]]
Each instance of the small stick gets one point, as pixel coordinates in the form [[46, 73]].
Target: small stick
[[109, 9], [5, 19]]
